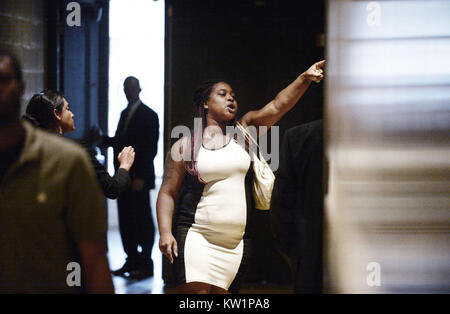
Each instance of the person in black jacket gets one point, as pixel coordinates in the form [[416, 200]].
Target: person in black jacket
[[138, 127], [297, 205], [50, 111]]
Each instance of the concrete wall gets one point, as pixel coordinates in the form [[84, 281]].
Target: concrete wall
[[22, 31]]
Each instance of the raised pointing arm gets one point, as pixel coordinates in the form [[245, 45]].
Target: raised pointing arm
[[285, 100]]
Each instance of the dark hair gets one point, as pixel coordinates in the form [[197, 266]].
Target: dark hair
[[15, 63], [130, 79], [40, 109], [201, 96]]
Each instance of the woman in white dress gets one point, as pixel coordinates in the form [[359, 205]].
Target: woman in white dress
[[206, 192]]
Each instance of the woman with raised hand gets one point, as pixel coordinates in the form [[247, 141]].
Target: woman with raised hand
[[206, 188], [50, 111]]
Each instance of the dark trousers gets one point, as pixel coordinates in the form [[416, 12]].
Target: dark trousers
[[136, 226]]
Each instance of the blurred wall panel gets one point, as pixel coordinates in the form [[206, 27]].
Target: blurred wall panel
[[387, 142]]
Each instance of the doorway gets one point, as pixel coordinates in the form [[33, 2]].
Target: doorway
[[136, 34]]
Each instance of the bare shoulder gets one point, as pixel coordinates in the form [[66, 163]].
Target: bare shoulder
[[174, 168], [175, 159], [180, 148]]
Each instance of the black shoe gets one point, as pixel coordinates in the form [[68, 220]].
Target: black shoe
[[128, 267], [142, 272]]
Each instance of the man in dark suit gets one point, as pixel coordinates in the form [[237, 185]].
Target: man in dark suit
[[297, 205], [138, 127]]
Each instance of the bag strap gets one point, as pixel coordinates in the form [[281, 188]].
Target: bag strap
[[258, 152], [247, 134]]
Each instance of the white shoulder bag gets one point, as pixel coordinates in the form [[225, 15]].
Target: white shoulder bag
[[263, 179]]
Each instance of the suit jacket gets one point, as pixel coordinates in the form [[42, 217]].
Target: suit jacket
[[297, 204], [142, 133]]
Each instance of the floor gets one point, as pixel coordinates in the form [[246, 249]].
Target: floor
[[153, 285], [116, 256]]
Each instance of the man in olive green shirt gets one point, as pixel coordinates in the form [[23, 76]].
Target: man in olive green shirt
[[52, 214]]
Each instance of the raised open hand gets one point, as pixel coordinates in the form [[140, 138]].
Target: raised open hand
[[126, 157]]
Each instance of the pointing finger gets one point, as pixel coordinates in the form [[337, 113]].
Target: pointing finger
[[320, 64]]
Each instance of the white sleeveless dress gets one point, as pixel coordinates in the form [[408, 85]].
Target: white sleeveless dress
[[213, 246]]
